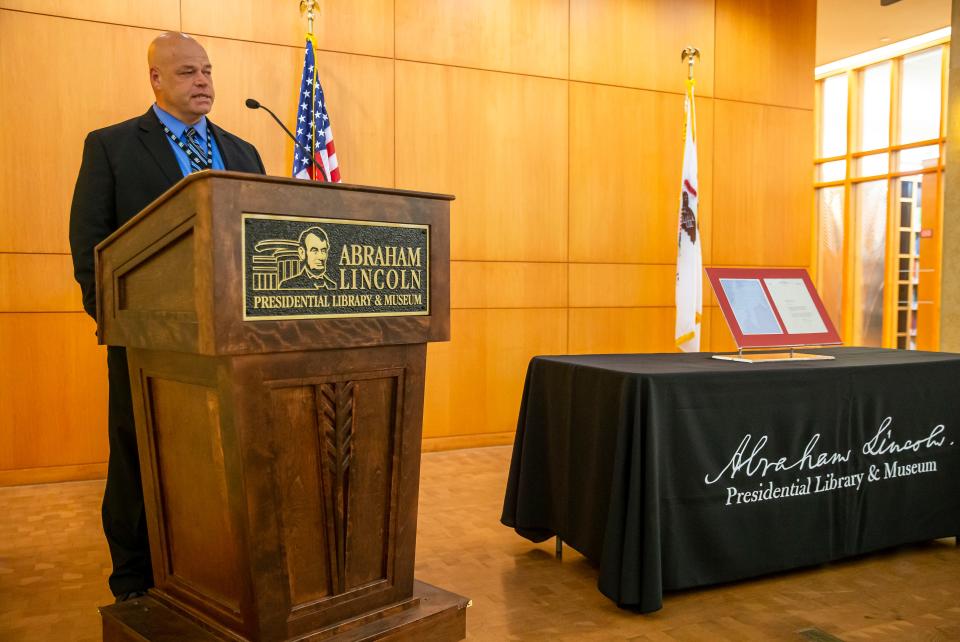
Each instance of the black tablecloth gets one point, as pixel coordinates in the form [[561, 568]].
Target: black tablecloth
[[678, 470]]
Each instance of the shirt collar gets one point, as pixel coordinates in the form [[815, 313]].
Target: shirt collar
[[177, 126]]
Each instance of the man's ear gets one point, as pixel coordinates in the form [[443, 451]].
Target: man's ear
[[302, 253]]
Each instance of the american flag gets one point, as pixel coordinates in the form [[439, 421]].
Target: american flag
[[313, 127]]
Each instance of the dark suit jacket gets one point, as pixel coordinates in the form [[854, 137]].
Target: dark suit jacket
[[124, 168]]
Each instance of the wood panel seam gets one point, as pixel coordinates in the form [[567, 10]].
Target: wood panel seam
[[52, 467], [759, 104], [42, 312], [581, 262], [197, 34], [90, 20], [470, 68], [571, 307], [15, 253]]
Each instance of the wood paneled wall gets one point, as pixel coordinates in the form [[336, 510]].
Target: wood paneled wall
[[557, 124]]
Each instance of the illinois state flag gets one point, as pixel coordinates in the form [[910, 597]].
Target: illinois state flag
[[313, 127], [689, 294]]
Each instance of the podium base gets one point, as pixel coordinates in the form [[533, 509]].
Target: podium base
[[438, 615]]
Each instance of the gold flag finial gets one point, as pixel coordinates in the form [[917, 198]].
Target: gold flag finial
[[690, 55], [308, 7]]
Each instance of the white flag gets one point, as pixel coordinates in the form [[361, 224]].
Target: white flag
[[689, 295]]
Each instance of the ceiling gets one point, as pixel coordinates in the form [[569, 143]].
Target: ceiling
[[848, 27]]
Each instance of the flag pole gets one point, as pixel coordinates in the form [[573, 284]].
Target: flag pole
[[690, 55], [308, 7]]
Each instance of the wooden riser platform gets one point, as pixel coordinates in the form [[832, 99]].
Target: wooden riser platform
[[433, 615]]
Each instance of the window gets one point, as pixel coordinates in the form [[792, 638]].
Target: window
[[878, 182]]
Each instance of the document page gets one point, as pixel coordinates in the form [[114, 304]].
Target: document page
[[750, 306], [795, 305]]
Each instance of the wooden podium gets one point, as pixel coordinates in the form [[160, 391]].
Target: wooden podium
[[279, 423]]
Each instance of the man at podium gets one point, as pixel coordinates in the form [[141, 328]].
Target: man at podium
[[124, 168]]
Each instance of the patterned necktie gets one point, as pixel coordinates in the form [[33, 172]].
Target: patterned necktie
[[198, 157]]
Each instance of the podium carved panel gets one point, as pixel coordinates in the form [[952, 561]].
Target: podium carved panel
[[300, 464], [345, 430]]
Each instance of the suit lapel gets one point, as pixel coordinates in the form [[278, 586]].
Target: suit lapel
[[227, 153], [152, 136]]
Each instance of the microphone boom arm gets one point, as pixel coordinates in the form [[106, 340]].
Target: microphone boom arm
[[255, 104]]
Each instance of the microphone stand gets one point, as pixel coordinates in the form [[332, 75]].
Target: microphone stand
[[255, 104]]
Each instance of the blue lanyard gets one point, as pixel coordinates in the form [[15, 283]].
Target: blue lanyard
[[191, 155]]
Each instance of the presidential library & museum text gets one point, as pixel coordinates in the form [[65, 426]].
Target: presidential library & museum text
[[825, 483]]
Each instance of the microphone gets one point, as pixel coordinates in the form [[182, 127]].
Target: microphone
[[252, 103]]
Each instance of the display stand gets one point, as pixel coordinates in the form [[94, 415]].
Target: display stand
[[768, 357], [772, 308]]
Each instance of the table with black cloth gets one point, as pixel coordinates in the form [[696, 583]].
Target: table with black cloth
[[672, 471]]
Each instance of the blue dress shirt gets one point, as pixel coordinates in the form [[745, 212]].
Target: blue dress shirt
[[178, 127]]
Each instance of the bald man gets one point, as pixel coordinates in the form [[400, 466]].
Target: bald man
[[126, 166]]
